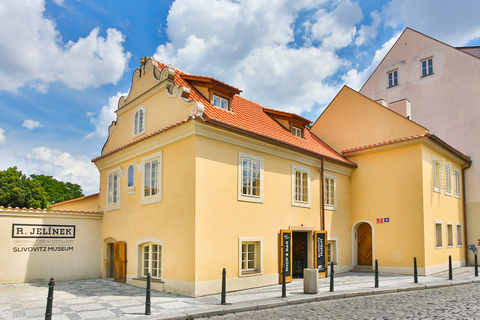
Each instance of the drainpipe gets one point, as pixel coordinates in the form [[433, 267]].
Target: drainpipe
[[465, 210], [322, 198]]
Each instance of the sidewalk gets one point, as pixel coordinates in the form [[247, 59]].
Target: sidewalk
[[105, 299]]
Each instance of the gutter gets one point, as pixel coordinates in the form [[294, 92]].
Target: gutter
[[464, 197], [322, 198]]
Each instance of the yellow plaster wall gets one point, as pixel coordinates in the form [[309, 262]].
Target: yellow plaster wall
[[388, 184], [171, 220], [440, 207], [352, 120], [221, 219]]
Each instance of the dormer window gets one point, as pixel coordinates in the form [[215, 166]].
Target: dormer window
[[139, 121], [220, 102], [297, 132]]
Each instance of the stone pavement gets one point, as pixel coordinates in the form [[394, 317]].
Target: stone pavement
[[104, 299]]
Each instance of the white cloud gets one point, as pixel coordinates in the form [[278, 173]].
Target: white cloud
[[251, 45], [104, 119], [35, 55], [3, 139], [58, 2], [65, 167], [368, 32], [453, 22], [31, 124]]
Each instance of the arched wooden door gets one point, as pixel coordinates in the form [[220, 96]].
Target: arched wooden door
[[120, 264], [364, 244]]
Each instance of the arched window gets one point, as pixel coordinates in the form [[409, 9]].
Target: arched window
[[152, 256], [139, 121], [130, 176]]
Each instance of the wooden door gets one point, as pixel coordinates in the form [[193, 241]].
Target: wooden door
[[364, 244], [120, 264], [286, 251]]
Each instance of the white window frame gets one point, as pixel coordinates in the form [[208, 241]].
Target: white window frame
[[221, 102], [297, 132], [296, 189], [449, 232], [426, 69], [457, 183], [394, 78], [136, 124], [249, 197], [140, 258], [437, 168], [130, 189], [258, 269], [158, 196], [448, 178], [329, 206], [440, 223], [112, 205], [333, 251], [459, 235]]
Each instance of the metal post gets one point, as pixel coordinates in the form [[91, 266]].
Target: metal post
[[376, 273], [415, 277], [224, 287], [331, 276], [284, 286], [476, 266], [450, 273], [48, 312], [147, 303]]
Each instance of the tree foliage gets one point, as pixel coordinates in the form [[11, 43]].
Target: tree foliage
[[18, 190], [58, 191]]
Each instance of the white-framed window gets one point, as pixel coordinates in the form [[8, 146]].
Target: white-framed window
[[437, 175], [330, 188], [448, 178], [250, 177], [130, 179], [113, 189], [300, 186], [220, 102], [449, 235], [250, 256], [332, 250], [152, 255], [152, 178], [438, 234], [457, 183], [392, 78], [459, 235], [297, 131], [427, 66], [139, 121]]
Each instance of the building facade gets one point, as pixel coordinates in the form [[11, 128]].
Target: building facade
[[435, 85]]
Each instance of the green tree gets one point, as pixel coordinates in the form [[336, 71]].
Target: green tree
[[58, 191], [18, 190]]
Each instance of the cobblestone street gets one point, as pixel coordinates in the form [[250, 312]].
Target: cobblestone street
[[456, 302]]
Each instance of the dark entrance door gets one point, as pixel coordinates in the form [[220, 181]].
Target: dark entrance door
[[299, 254]]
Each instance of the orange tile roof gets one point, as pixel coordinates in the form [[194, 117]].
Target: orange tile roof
[[76, 199], [38, 210], [384, 143], [251, 117]]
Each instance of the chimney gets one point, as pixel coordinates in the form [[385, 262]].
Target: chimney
[[402, 107], [382, 102]]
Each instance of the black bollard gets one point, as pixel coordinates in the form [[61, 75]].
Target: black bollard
[[376, 273], [450, 273], [48, 312], [224, 287], [476, 266], [147, 303], [415, 277], [284, 286], [331, 276]]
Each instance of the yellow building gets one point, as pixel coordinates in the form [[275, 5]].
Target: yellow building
[[195, 178], [406, 195]]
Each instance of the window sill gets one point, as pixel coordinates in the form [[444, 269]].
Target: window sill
[[138, 134], [251, 273], [427, 75], [395, 85], [151, 279], [450, 246], [439, 247], [330, 208], [459, 245]]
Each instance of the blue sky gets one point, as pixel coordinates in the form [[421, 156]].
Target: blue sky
[[65, 63]]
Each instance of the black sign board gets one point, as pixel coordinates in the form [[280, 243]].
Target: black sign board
[[287, 238], [320, 254]]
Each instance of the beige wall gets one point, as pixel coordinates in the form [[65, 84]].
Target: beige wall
[[28, 257], [89, 204]]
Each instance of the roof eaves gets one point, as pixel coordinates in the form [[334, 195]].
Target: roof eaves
[[76, 199]]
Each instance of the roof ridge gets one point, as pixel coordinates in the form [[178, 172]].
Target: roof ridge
[[76, 199], [47, 210]]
